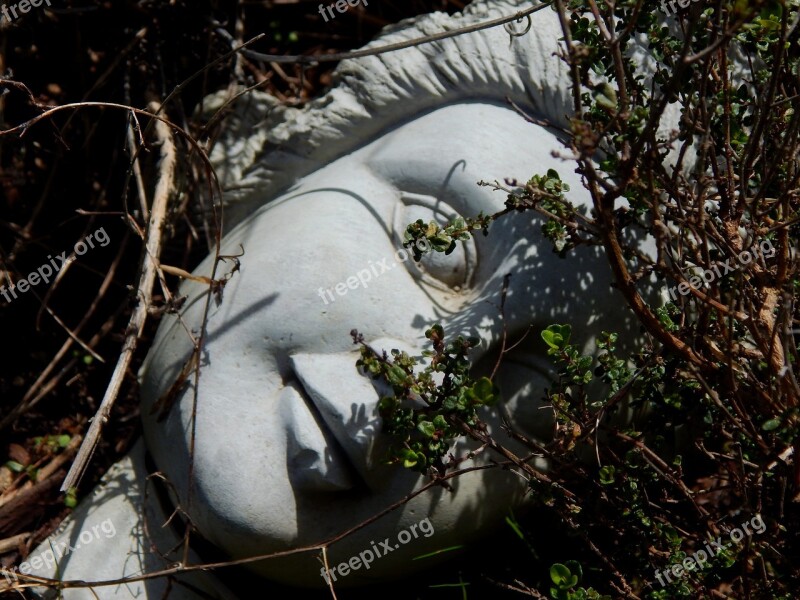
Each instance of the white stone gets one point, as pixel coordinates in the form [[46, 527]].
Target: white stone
[[107, 538], [288, 442]]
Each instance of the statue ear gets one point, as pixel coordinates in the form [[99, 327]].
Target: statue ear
[[241, 140]]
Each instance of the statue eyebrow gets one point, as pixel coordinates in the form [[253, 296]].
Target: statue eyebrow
[[459, 163]]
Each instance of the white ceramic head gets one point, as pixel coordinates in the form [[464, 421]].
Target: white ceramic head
[[288, 445]]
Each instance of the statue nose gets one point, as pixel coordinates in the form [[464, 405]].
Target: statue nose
[[314, 459], [347, 404]]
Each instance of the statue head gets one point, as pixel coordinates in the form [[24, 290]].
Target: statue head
[[288, 446]]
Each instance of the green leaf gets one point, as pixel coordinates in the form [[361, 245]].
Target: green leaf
[[485, 391], [63, 440], [513, 524], [557, 336], [607, 474], [396, 375], [32, 472], [575, 568], [441, 242], [15, 466], [436, 332], [412, 459], [387, 404], [560, 574], [771, 425], [409, 458], [427, 429]]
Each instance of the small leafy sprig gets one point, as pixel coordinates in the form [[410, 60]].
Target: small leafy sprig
[[427, 406], [542, 193], [443, 239], [545, 194]]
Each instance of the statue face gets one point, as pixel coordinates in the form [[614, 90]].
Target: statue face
[[288, 444]]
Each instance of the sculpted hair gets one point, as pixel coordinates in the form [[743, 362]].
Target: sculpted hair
[[265, 147]]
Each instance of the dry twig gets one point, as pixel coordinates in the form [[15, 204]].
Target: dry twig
[[149, 270]]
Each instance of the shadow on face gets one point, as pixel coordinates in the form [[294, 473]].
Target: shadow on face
[[288, 449]]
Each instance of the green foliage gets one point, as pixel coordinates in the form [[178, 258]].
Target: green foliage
[[442, 239], [15, 466], [53, 442], [565, 578], [557, 337], [543, 193], [71, 498], [713, 389], [422, 416], [607, 474]]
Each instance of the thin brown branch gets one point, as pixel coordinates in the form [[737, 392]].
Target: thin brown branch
[[149, 268]]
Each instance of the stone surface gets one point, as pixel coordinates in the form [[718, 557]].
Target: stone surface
[[287, 437], [111, 536], [285, 422], [287, 448]]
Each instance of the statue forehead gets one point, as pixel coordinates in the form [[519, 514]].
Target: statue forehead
[[441, 153], [481, 133]]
